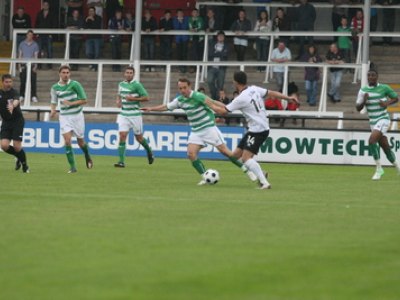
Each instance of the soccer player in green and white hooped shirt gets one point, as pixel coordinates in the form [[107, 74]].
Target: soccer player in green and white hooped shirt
[[202, 121], [69, 96], [376, 98], [130, 94]]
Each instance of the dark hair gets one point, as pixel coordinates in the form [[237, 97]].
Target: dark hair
[[373, 70], [240, 77], [130, 68], [63, 67], [183, 79], [167, 11], [6, 76], [30, 31], [221, 32], [263, 11], [92, 7]]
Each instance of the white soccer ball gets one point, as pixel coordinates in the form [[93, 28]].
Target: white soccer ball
[[211, 176]]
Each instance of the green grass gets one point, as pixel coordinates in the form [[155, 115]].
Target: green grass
[[149, 232]]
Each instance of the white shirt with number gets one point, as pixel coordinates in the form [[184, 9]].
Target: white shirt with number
[[251, 103]]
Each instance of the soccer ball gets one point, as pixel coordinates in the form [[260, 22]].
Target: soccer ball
[[211, 176]]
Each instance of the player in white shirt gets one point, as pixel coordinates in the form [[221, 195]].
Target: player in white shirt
[[250, 102]]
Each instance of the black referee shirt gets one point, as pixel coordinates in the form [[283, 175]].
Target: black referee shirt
[[4, 97]]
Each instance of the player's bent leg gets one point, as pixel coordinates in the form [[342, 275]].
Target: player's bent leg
[[85, 149], [143, 142], [255, 167]]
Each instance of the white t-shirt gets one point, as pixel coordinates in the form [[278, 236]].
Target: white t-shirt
[[276, 54], [251, 103]]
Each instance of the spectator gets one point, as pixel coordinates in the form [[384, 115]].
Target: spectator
[[181, 22], [282, 23], [281, 54], [337, 12], [98, 6], [240, 41], [74, 5], [293, 91], [344, 42], [306, 16], [129, 25], [357, 26], [93, 41], [75, 22], [388, 18], [230, 13], [224, 99], [218, 51], [166, 24], [263, 25], [112, 6], [149, 24], [116, 23], [273, 104], [213, 23], [335, 57], [46, 19], [28, 49], [311, 74], [21, 20], [196, 24]]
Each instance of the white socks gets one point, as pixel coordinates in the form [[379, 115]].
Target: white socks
[[253, 166]]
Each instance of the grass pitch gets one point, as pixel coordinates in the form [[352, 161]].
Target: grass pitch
[[149, 232]]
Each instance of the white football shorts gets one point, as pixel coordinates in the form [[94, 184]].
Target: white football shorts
[[382, 126], [74, 123], [127, 123], [208, 136]]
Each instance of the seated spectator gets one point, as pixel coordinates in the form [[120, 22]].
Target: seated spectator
[[116, 23], [293, 91], [93, 41], [224, 99], [241, 41], [217, 52], [263, 25], [311, 74], [281, 54], [273, 104], [28, 49], [75, 22], [149, 24], [21, 20], [46, 19], [166, 24]]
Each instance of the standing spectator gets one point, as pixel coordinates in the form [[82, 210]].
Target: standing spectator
[[74, 5], [112, 6], [75, 22], [335, 57], [240, 41], [225, 100], [93, 41], [282, 23], [337, 12], [116, 23], [12, 126], [28, 49], [98, 6], [196, 24], [21, 20], [388, 18], [213, 23], [218, 51], [149, 24], [344, 42], [263, 25], [280, 54], [166, 24], [129, 23], [357, 26], [229, 13], [69, 96], [181, 22], [306, 16], [46, 19], [311, 74]]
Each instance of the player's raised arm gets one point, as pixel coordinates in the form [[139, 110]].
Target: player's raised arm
[[216, 106], [161, 107]]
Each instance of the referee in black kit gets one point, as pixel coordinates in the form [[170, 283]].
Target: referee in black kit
[[12, 126]]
